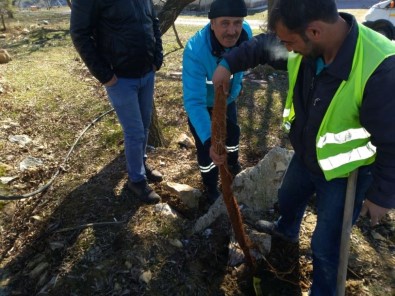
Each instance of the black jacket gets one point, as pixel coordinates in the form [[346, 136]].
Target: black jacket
[[313, 93], [120, 37]]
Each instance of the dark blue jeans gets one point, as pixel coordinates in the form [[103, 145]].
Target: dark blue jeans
[[132, 99], [297, 188]]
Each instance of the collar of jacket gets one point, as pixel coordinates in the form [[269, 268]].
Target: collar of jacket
[[217, 49]]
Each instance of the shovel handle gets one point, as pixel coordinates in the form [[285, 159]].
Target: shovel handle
[[346, 232]]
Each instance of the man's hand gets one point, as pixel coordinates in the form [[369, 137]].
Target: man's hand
[[112, 81], [217, 159], [375, 212], [221, 78]]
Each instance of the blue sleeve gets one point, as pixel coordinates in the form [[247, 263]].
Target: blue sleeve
[[194, 93]]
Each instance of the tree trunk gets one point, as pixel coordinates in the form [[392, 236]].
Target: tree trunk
[[155, 136], [170, 12], [177, 37], [3, 22], [167, 17], [69, 3]]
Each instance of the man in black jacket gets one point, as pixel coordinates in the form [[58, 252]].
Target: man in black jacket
[[340, 116], [120, 43]]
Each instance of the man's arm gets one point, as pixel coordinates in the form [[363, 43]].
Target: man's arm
[[195, 92], [158, 57], [260, 50], [84, 15], [377, 116]]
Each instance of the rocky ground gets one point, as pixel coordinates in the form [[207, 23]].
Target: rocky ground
[[96, 239]]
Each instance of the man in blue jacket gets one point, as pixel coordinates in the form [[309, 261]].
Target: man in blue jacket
[[201, 56], [120, 43], [340, 116]]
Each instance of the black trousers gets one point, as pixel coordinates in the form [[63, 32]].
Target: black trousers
[[208, 170]]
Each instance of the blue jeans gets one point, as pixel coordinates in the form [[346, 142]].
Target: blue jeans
[[295, 191], [132, 99]]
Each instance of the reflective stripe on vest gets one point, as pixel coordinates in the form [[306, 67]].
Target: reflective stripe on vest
[[333, 162], [343, 137]]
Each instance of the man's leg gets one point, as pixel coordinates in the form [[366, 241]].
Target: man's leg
[[208, 170], [124, 98], [327, 234], [232, 139], [146, 101], [293, 195]]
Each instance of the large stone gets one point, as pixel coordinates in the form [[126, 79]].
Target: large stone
[[189, 196], [212, 214], [257, 187], [4, 56], [184, 141]]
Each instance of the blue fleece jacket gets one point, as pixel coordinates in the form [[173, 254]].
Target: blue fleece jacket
[[199, 64]]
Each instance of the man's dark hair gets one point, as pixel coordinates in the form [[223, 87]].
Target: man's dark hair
[[297, 14]]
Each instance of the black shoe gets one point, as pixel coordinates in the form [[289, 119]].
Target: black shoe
[[144, 192], [234, 169], [212, 194], [271, 228], [151, 174]]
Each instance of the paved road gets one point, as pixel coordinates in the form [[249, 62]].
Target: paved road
[[255, 24], [355, 4], [201, 22]]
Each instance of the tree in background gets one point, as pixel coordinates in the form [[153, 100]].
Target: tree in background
[[5, 9]]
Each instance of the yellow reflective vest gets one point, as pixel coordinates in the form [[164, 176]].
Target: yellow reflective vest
[[342, 144]]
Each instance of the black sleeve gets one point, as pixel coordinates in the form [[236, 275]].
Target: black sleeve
[[83, 20], [158, 58], [260, 50], [377, 116]]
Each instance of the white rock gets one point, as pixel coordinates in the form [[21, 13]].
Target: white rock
[[146, 277], [176, 243], [190, 196], [165, 209], [21, 140], [7, 180], [30, 163], [184, 141], [255, 187]]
